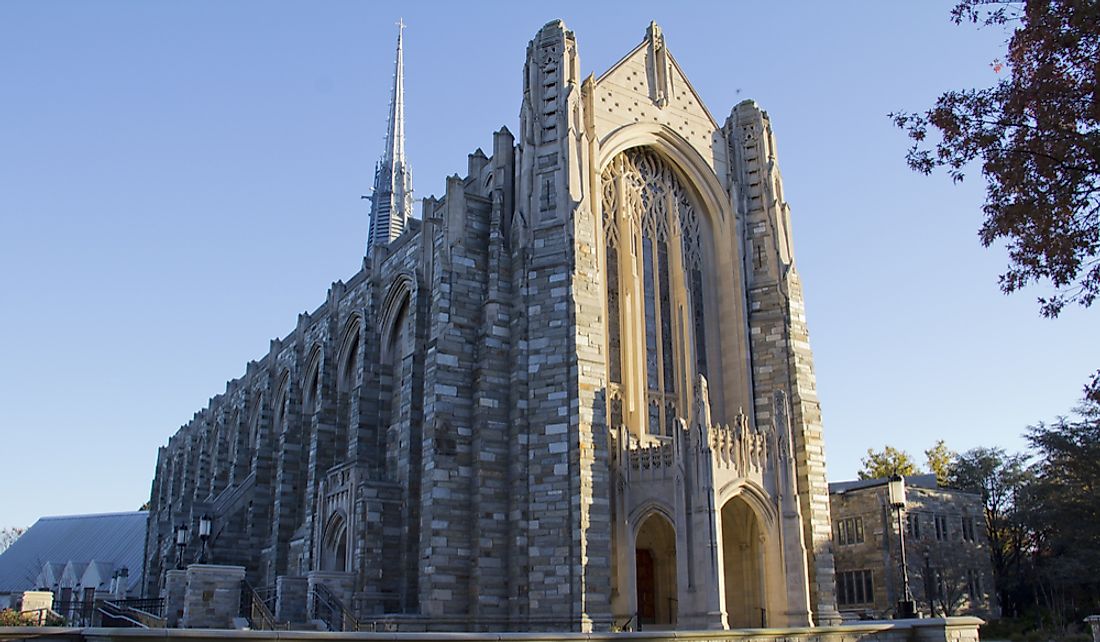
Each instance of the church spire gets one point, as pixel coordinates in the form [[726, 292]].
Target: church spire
[[391, 201]]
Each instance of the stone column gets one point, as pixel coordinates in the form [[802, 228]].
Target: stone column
[[291, 594], [175, 585], [37, 601], [213, 596]]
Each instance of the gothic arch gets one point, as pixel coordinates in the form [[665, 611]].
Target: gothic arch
[[398, 295], [655, 569], [684, 157], [334, 543], [311, 383], [647, 509], [754, 590], [279, 408], [348, 356], [348, 364], [725, 318], [660, 291], [252, 446], [754, 495]]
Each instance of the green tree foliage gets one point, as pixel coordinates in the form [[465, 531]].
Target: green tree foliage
[[940, 460], [886, 462], [1000, 479], [1063, 509], [1036, 133]]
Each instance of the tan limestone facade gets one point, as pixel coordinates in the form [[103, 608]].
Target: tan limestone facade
[[576, 394]]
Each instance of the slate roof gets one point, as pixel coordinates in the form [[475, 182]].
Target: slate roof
[[927, 480], [115, 538]]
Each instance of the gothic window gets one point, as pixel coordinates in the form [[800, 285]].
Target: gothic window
[[654, 275], [347, 387], [397, 348], [254, 432]]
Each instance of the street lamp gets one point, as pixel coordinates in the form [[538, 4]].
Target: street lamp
[[896, 490], [204, 535], [181, 543]]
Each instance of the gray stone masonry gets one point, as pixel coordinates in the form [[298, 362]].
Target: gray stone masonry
[[947, 548], [175, 589], [291, 599], [213, 596], [442, 441]]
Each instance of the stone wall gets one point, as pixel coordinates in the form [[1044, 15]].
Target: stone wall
[[937, 558]]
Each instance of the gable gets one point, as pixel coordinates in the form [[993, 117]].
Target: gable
[[648, 86]]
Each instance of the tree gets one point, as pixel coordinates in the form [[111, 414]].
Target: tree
[[1036, 133], [1000, 479], [1065, 512], [886, 462], [8, 535], [940, 460]]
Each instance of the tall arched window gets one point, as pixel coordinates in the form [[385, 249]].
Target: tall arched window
[[347, 388], [397, 347], [656, 340]]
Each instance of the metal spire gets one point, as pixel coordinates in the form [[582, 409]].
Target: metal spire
[[391, 201]]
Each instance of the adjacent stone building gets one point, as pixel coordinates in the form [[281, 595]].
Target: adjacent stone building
[[577, 393], [947, 549]]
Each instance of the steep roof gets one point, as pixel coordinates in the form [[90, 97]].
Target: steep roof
[[115, 538]]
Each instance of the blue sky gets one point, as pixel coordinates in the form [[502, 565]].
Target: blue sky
[[179, 180]]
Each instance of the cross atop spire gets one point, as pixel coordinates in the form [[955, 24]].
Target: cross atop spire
[[391, 202]]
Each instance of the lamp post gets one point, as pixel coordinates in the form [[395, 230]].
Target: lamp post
[[896, 490], [204, 535], [181, 543]]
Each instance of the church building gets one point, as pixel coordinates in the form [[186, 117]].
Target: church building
[[576, 393]]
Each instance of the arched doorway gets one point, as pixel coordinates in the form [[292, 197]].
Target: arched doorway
[[743, 559], [655, 571], [334, 550]]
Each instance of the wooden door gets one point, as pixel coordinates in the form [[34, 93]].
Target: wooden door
[[647, 589]]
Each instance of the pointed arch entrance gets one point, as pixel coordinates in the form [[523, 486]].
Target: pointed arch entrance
[[655, 571], [743, 561], [334, 547]]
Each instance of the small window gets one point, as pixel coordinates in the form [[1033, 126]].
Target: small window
[[968, 528], [855, 587], [912, 525], [974, 585], [850, 531], [941, 527]]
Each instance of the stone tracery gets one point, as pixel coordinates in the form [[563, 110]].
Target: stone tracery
[[644, 201]]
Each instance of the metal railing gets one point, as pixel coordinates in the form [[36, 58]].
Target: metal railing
[[329, 609], [257, 606], [75, 612], [141, 613]]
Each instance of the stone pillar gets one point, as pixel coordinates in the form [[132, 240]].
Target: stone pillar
[[779, 342], [36, 601], [291, 594], [175, 585], [213, 596], [950, 629]]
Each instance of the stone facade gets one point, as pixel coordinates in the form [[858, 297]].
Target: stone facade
[[576, 394], [947, 549]]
